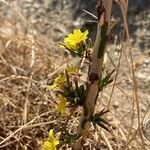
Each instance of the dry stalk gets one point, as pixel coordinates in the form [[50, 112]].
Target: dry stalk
[[124, 7], [95, 70], [106, 140], [23, 127]]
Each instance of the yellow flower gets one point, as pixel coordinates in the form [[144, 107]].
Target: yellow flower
[[72, 69], [51, 143], [58, 83], [62, 104], [73, 40]]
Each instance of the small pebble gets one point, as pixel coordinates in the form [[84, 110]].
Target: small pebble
[[115, 105], [115, 124]]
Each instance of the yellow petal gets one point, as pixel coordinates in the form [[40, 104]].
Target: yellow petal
[[53, 87], [80, 36], [56, 142], [72, 40], [72, 69], [51, 135], [58, 83], [47, 145], [83, 37], [51, 143], [62, 105], [60, 79]]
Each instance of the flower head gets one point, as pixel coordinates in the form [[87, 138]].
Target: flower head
[[62, 104], [73, 40], [72, 69], [51, 143], [58, 83]]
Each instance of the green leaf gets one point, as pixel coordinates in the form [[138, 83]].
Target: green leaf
[[97, 120], [99, 123], [106, 80]]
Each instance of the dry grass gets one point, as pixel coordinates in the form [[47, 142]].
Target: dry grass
[[29, 62]]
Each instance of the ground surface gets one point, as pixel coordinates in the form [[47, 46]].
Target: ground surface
[[30, 58]]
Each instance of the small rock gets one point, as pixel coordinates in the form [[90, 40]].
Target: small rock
[[115, 105], [115, 124], [109, 118]]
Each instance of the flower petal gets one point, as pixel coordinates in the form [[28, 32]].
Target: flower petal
[[47, 145], [73, 40], [62, 104], [72, 69], [51, 135]]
